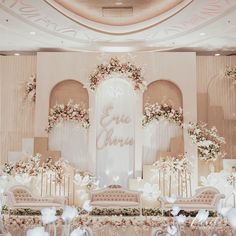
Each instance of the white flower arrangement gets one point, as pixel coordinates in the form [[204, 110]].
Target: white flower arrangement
[[70, 111], [161, 224], [55, 169], [31, 167], [161, 111], [116, 66], [85, 179], [208, 141], [30, 88], [230, 72], [24, 170], [174, 165]]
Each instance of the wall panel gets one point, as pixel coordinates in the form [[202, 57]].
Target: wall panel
[[17, 115]]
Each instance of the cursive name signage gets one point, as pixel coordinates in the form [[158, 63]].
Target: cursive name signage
[[108, 123]]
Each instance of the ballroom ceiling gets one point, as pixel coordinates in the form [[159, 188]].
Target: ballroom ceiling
[[118, 25]]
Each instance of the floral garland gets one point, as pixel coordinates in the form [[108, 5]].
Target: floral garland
[[56, 169], [157, 112], [174, 165], [31, 167], [30, 88], [208, 141], [74, 112], [230, 72], [116, 66]]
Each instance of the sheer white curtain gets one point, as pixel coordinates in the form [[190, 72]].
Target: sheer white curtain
[[115, 118], [71, 139], [157, 136]]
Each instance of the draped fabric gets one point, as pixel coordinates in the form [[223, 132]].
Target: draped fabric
[[115, 124], [70, 138], [157, 137]]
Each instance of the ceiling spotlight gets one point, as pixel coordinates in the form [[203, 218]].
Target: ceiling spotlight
[[119, 3], [32, 33], [217, 54], [116, 49], [202, 34], [16, 54]]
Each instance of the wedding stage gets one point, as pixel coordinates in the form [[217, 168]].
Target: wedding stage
[[116, 151]]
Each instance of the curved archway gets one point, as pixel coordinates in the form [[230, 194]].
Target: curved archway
[[69, 137], [162, 138], [65, 90], [163, 91]]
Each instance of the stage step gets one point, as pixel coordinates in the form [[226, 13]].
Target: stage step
[[31, 146]]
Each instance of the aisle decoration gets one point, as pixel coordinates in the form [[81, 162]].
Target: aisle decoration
[[103, 71], [161, 111], [30, 89], [70, 111], [230, 73], [208, 141]]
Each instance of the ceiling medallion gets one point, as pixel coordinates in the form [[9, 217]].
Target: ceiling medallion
[[128, 17]]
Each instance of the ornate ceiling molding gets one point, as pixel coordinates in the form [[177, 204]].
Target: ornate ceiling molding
[[127, 26]]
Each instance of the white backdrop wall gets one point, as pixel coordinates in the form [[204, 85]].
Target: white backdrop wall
[[179, 68]]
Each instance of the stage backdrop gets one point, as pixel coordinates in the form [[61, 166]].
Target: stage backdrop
[[115, 125], [178, 68]]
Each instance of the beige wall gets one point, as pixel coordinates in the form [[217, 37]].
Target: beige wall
[[17, 115], [217, 101]]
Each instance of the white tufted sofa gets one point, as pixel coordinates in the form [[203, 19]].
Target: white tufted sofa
[[21, 197], [115, 196], [205, 198]]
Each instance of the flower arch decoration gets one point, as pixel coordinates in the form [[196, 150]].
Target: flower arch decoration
[[208, 141], [70, 111], [103, 71], [161, 111]]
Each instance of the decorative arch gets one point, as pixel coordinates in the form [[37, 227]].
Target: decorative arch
[[67, 90], [163, 91], [124, 70], [162, 99], [67, 133]]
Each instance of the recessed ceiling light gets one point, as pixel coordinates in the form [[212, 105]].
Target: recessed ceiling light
[[16, 54], [116, 49], [217, 54], [119, 3], [32, 33], [202, 34]]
